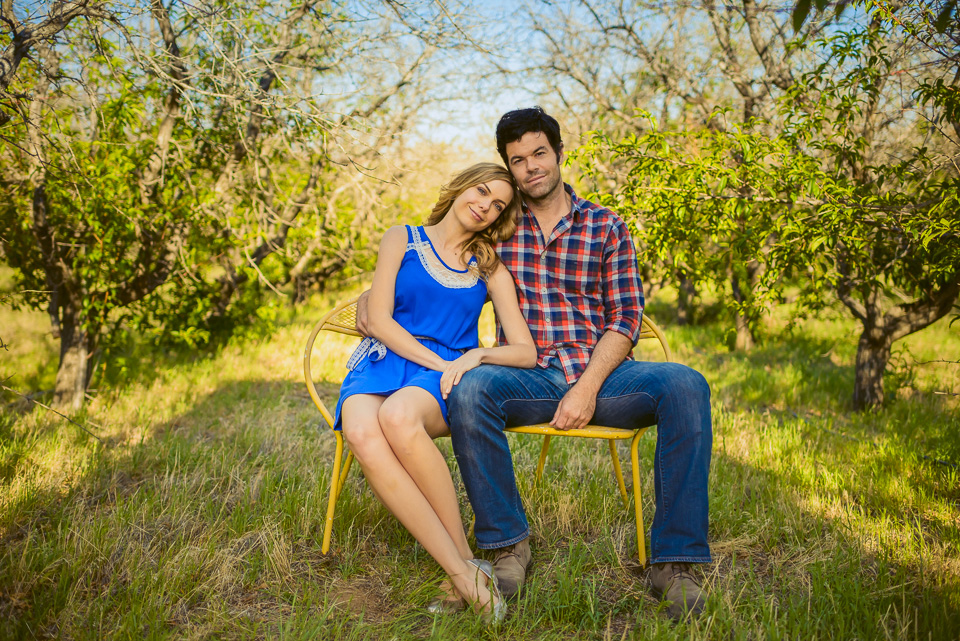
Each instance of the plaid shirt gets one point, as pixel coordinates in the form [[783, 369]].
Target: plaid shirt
[[583, 281]]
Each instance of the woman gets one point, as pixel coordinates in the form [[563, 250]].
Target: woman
[[428, 289]]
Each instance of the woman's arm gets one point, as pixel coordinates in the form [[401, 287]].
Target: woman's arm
[[520, 350], [380, 323]]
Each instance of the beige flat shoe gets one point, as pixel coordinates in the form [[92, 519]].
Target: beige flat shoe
[[498, 610], [450, 603]]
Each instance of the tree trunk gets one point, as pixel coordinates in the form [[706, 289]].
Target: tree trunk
[[873, 354], [686, 292], [745, 340], [74, 352], [881, 330]]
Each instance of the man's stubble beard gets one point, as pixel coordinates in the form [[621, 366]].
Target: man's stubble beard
[[549, 189]]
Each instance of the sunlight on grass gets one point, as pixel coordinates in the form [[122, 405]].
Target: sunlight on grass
[[201, 514]]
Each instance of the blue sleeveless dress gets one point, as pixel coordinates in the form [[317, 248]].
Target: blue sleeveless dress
[[440, 306]]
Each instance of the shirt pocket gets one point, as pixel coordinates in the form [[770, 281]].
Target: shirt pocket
[[583, 278]]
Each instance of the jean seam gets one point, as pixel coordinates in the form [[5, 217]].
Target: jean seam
[[503, 544], [681, 559], [518, 509]]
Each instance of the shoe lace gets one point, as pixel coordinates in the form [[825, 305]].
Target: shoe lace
[[682, 571], [504, 554]]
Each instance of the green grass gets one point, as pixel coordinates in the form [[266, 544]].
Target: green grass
[[201, 514]]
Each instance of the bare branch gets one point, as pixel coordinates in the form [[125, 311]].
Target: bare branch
[[26, 36], [907, 319], [256, 109], [776, 71], [171, 107]]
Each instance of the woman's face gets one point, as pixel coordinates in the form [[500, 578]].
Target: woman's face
[[479, 206]]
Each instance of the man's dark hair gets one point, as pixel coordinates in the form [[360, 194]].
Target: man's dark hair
[[514, 124]]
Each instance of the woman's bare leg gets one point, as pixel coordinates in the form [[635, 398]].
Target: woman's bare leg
[[401, 495], [411, 419]]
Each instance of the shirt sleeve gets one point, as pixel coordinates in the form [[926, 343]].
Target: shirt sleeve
[[622, 288]]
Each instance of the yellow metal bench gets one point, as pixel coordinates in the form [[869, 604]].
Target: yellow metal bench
[[343, 320]]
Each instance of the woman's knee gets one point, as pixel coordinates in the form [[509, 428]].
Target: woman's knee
[[401, 423], [366, 439]]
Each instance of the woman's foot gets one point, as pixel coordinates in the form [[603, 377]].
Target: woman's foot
[[449, 602], [479, 588]]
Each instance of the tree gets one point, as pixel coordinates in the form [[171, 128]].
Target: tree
[[158, 156], [682, 62], [25, 36], [65, 247], [704, 203], [858, 196], [891, 203]]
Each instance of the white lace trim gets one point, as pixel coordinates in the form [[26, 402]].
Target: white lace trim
[[369, 346], [437, 270]]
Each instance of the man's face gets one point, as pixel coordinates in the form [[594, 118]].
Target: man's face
[[534, 164]]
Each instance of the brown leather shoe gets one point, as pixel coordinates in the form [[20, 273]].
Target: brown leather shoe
[[510, 565], [675, 583]]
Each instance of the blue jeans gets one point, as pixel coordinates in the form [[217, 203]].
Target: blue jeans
[[637, 394]]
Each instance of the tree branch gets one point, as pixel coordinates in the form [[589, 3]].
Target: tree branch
[[256, 112], [907, 319], [29, 35], [844, 287], [151, 177]]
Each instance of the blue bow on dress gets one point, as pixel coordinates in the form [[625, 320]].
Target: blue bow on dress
[[369, 346]]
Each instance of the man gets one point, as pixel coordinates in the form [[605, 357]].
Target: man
[[579, 287]]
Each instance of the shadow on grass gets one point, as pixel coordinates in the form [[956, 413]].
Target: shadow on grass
[[212, 521], [829, 572], [220, 504], [799, 373]]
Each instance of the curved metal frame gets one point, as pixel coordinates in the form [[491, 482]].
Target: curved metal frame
[[339, 477]]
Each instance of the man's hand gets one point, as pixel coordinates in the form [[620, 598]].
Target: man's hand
[[362, 313], [575, 409]]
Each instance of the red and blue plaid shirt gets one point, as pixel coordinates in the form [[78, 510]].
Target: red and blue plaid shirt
[[581, 282]]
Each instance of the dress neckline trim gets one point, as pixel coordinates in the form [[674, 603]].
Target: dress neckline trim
[[443, 262]]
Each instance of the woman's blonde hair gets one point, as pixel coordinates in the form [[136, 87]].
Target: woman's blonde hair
[[481, 245]]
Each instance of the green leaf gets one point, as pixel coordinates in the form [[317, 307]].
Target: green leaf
[[943, 18], [800, 13], [840, 7]]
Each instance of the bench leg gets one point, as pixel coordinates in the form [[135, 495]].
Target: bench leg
[[335, 486], [618, 472], [343, 473], [543, 456], [638, 508]]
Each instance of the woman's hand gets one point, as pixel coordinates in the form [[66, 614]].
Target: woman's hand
[[455, 369]]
